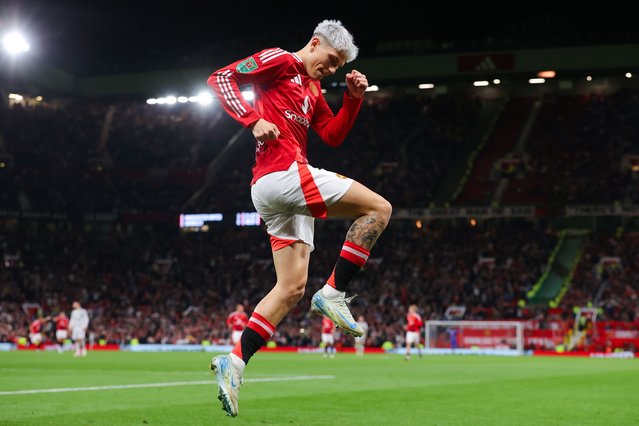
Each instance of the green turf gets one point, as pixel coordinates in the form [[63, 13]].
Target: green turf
[[374, 390]]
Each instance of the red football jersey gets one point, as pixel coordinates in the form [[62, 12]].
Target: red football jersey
[[413, 322], [328, 327], [61, 323], [35, 327], [237, 320], [286, 96]]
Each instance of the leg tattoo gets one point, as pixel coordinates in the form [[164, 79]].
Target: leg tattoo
[[365, 231]]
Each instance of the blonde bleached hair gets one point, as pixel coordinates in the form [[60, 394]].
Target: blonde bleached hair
[[338, 37]]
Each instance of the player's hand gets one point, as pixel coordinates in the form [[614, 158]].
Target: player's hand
[[265, 131], [356, 83]]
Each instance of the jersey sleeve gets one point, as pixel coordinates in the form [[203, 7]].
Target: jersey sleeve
[[332, 129], [259, 69], [85, 319]]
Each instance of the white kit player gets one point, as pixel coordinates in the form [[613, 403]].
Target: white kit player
[[360, 342], [78, 325]]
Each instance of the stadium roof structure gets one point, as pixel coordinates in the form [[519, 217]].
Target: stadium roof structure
[[98, 38]]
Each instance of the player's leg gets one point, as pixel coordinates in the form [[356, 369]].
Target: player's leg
[[360, 343], [60, 335], [408, 346], [325, 344], [36, 339], [331, 345], [372, 213], [291, 267]]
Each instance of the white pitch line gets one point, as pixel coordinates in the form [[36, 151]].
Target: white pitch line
[[162, 385]]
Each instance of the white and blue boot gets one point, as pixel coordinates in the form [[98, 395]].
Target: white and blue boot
[[337, 310], [229, 380]]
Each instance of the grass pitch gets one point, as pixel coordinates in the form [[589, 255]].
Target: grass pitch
[[296, 389]]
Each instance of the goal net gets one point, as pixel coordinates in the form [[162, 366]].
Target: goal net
[[481, 337]]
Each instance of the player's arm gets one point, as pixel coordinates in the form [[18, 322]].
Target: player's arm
[[258, 69], [334, 128]]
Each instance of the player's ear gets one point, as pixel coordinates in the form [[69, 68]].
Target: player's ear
[[315, 41]]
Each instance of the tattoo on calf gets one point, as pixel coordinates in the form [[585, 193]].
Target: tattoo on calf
[[365, 231]]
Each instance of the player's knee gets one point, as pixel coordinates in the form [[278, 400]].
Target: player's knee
[[384, 209], [295, 295], [295, 291]]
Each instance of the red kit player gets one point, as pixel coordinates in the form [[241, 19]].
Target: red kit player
[[413, 324], [288, 193], [237, 321], [328, 337]]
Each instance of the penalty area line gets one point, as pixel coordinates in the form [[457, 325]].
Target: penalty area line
[[162, 385]]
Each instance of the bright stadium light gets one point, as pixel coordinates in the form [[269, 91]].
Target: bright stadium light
[[15, 43], [205, 98], [536, 80], [480, 83], [182, 99], [425, 86], [496, 81], [628, 75], [171, 100], [547, 74], [151, 101]]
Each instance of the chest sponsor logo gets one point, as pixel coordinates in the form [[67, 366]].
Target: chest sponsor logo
[[246, 66], [297, 118]]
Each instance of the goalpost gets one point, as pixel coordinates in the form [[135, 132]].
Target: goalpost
[[475, 337]]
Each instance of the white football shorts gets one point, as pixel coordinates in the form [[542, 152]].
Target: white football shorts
[[289, 201], [328, 339], [236, 335], [78, 333], [61, 334], [35, 338], [412, 337]]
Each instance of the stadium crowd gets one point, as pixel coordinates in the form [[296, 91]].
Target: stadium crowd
[[141, 278]]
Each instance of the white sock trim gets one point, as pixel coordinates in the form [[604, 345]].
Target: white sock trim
[[332, 292], [238, 362]]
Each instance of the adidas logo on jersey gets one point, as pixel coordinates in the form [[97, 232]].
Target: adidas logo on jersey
[[297, 79]]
